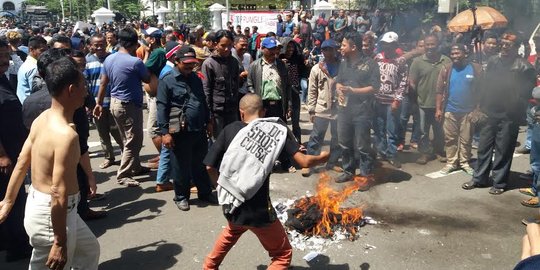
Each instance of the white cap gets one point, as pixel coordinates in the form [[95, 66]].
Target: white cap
[[390, 37]]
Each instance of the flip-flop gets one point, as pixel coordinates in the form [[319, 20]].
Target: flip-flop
[[129, 182], [532, 202]]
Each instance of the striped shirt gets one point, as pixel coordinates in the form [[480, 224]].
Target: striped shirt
[[93, 76]]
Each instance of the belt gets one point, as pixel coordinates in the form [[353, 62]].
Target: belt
[[271, 102]]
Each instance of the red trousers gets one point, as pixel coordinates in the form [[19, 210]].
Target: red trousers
[[272, 237]]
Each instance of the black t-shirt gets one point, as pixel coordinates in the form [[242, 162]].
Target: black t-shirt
[[257, 211]]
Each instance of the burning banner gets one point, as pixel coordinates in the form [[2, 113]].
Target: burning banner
[[322, 214]]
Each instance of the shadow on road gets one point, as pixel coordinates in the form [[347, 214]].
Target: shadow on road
[[121, 215], [320, 262], [156, 256], [388, 175]]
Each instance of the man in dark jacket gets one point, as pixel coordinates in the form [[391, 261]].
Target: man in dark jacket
[[12, 137], [184, 122], [222, 80], [508, 85]]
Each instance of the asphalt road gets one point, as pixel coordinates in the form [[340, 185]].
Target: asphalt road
[[425, 222]]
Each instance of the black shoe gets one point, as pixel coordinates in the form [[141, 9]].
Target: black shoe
[[182, 205], [471, 185], [496, 191], [523, 150], [344, 177], [93, 215], [423, 160], [211, 199], [395, 162]]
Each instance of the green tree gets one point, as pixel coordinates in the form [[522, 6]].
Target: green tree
[[197, 13]]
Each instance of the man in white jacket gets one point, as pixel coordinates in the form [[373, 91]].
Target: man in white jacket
[[252, 211]]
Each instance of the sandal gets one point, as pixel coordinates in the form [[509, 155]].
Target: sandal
[[532, 202], [527, 191], [106, 164], [129, 182], [496, 191]]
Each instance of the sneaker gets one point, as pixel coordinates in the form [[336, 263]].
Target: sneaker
[[306, 172], [532, 202], [292, 169], [447, 169], [523, 150], [413, 145], [344, 177], [182, 205], [527, 191], [400, 147], [423, 160], [468, 169], [164, 187], [395, 162]]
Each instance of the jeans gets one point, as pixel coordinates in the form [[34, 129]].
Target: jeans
[[409, 107], [189, 150], [272, 237], [316, 139], [106, 127], [386, 127], [304, 88], [355, 140], [82, 245], [129, 120], [499, 135], [535, 157], [165, 171], [530, 127], [427, 122], [458, 141]]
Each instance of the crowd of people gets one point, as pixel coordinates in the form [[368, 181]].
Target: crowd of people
[[218, 103]]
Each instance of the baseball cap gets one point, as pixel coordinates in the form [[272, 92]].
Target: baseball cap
[[329, 43], [269, 43], [536, 92], [390, 37], [152, 31], [186, 54], [170, 48]]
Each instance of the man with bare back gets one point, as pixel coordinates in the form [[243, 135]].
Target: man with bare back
[[52, 150]]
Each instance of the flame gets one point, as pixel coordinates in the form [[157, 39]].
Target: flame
[[328, 202]]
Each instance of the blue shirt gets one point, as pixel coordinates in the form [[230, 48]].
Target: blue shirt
[[25, 75], [125, 74], [94, 65], [460, 94]]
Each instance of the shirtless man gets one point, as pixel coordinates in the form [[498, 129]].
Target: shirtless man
[[52, 150]]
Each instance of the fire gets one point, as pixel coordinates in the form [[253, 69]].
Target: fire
[[323, 211]]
